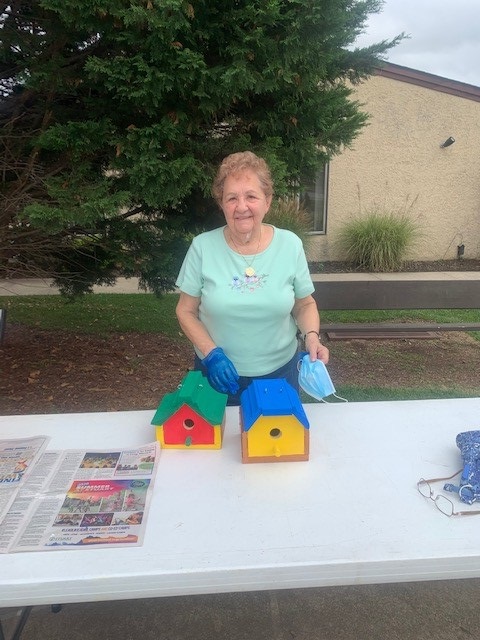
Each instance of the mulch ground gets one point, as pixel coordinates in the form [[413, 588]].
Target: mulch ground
[[53, 371]]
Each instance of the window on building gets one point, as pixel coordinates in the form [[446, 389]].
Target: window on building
[[314, 198]]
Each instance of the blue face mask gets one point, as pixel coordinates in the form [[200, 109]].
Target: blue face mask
[[314, 378]]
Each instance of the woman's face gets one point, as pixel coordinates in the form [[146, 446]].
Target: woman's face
[[244, 203]]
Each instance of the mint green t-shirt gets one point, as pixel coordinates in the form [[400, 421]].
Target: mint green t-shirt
[[249, 317]]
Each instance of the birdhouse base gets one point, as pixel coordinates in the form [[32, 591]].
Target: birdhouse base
[[297, 457]]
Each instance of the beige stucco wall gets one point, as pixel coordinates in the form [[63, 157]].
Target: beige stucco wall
[[397, 164]]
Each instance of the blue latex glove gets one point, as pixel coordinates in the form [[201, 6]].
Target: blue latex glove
[[222, 374]]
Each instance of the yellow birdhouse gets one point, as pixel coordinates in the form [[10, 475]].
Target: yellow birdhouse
[[274, 426]]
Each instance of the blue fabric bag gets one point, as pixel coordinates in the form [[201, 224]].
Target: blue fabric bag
[[468, 488]]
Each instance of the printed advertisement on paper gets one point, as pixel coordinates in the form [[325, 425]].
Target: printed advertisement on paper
[[76, 499]]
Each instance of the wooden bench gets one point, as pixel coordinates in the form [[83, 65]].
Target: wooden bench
[[363, 292]]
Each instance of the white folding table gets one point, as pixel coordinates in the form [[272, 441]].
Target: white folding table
[[350, 515]]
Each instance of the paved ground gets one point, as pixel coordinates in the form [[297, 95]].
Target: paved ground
[[18, 286], [44, 287], [410, 611]]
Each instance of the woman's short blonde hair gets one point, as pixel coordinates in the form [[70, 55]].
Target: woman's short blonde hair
[[242, 161]]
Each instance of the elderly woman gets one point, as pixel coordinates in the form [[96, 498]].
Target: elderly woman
[[245, 288]]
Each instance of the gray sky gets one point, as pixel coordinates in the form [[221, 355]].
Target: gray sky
[[444, 36]]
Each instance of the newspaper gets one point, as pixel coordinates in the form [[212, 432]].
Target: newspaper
[[17, 459], [74, 499]]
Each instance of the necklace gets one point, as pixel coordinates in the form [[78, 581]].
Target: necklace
[[249, 270]]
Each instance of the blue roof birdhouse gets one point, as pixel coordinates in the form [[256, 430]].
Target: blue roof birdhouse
[[274, 426]]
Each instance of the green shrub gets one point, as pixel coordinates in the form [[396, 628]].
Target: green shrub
[[379, 241], [285, 213]]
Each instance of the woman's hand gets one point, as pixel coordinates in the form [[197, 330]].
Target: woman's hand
[[222, 374], [316, 350]]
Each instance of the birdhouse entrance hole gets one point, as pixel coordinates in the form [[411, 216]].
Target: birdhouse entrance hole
[[188, 423], [275, 433]]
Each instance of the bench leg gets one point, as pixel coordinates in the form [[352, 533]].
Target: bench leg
[[3, 324]]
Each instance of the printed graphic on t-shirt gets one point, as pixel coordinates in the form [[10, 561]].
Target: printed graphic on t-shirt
[[248, 284]]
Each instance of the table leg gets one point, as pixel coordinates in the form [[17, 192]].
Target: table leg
[[19, 625]]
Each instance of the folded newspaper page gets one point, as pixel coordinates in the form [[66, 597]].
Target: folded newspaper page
[[17, 459], [75, 499]]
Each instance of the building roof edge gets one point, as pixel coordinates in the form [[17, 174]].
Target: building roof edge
[[428, 80]]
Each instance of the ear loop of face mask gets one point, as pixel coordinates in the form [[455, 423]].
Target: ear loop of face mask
[[322, 370]]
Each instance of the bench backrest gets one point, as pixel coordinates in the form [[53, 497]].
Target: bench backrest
[[396, 294]]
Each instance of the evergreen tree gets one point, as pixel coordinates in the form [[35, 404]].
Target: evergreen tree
[[116, 113]]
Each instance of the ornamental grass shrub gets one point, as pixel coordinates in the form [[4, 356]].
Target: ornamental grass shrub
[[286, 213], [379, 241]]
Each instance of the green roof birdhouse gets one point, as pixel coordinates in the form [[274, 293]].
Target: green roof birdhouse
[[192, 417]]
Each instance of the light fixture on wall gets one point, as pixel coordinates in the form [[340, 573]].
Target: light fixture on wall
[[447, 142]]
